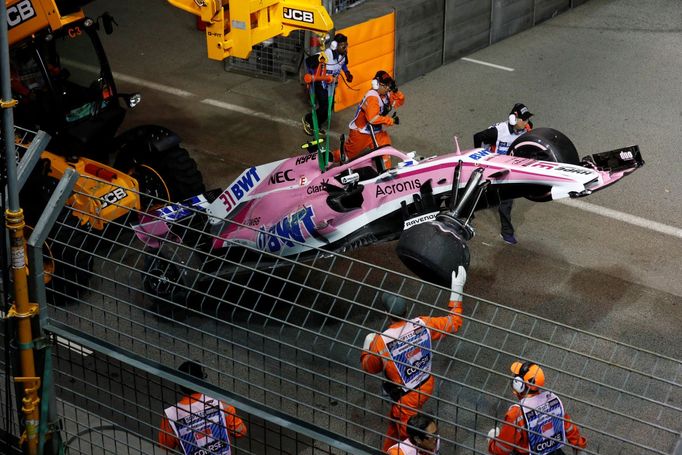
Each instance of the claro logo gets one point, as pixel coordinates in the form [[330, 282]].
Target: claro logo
[[298, 15], [19, 13]]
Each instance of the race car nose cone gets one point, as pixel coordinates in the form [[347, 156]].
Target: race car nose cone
[[432, 250]]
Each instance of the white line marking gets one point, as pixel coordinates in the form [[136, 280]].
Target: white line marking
[[261, 115], [624, 217], [499, 67], [132, 80], [603, 211], [153, 85], [251, 112]]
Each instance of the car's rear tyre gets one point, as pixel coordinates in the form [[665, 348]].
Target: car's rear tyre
[[432, 250], [71, 251], [545, 144], [163, 281]]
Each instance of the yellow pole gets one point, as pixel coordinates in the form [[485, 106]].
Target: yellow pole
[[23, 311]]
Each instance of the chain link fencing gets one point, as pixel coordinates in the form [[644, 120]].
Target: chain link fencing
[[281, 340]]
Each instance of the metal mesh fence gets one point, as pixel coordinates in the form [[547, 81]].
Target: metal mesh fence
[[277, 58], [281, 57], [110, 407], [286, 334]]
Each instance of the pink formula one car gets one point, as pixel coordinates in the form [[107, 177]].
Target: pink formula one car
[[291, 208]]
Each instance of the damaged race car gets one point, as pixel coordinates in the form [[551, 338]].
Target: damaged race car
[[293, 208]]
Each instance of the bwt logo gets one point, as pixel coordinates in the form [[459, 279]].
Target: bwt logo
[[286, 230], [298, 15], [480, 154], [242, 185], [21, 12]]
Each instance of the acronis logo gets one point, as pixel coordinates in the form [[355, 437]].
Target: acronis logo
[[293, 227]]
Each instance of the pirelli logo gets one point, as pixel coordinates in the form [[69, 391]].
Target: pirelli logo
[[19, 13], [298, 15]]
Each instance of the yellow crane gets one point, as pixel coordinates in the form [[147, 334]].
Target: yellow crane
[[235, 26]]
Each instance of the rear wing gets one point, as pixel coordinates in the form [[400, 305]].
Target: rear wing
[[618, 160]]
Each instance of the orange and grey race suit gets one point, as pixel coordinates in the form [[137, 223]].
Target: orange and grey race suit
[[550, 427], [403, 353], [200, 424]]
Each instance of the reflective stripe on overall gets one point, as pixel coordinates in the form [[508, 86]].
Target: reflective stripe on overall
[[410, 349], [200, 427], [544, 414], [364, 129]]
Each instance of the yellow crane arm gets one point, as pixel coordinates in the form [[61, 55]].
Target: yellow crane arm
[[26, 17], [233, 27]]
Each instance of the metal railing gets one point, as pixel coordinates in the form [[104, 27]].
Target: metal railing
[[283, 337]]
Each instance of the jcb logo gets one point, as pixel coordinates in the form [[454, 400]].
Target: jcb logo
[[299, 15], [113, 197], [21, 12]]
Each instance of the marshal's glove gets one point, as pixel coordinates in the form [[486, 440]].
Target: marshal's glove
[[493, 433], [349, 77], [457, 287], [396, 119]]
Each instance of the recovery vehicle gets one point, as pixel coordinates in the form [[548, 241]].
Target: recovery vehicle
[[64, 85]]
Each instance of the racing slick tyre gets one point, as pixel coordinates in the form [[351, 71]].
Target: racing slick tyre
[[432, 250], [71, 253], [544, 144], [164, 280]]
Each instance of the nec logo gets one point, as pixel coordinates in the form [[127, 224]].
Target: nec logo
[[298, 15], [21, 12], [281, 177]]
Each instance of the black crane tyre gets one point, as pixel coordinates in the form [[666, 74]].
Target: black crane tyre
[[153, 187], [432, 250], [175, 166], [545, 144], [179, 171], [71, 249]]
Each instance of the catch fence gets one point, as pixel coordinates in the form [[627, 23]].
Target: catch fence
[[281, 340]]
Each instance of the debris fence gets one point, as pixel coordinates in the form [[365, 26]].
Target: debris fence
[[281, 340]]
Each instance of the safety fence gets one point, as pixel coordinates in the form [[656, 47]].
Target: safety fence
[[281, 57], [281, 340]]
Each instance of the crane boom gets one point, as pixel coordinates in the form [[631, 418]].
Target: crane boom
[[27, 17], [235, 26]]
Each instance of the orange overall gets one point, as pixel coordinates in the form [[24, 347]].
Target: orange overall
[[378, 359], [513, 440], [369, 115]]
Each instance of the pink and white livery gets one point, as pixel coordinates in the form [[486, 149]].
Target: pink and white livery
[[289, 207]]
